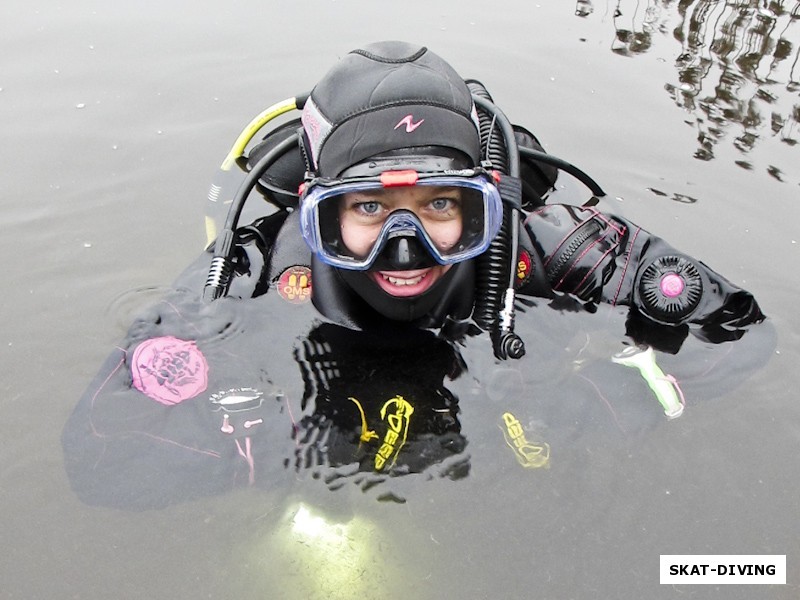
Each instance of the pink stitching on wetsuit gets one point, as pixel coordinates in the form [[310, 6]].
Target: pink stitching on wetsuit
[[620, 229], [678, 389], [247, 455], [563, 241], [605, 401], [625, 268], [596, 264], [105, 436]]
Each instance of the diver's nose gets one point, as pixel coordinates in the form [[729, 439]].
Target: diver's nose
[[404, 253]]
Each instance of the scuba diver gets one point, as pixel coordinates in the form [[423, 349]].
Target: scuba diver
[[420, 203], [411, 213]]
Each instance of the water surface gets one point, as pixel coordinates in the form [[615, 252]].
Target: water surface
[[115, 120]]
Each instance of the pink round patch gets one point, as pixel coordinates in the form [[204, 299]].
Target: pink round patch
[[169, 370], [672, 285]]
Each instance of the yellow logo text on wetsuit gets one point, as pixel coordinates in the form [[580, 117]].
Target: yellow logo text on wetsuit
[[397, 430], [530, 456]]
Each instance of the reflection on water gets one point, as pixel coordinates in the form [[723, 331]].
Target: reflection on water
[[624, 485], [738, 68], [634, 23], [379, 405], [737, 62]]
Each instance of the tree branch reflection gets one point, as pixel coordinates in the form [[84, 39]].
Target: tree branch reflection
[[738, 66]]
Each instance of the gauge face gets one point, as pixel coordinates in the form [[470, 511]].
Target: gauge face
[[670, 288]]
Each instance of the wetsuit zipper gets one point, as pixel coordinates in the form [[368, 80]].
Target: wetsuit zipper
[[560, 263]]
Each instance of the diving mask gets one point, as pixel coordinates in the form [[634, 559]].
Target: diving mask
[[348, 222]]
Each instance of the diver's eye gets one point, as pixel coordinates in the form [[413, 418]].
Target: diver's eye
[[368, 208], [443, 207], [441, 203]]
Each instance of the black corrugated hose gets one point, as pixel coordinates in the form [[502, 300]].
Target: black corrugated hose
[[494, 305]]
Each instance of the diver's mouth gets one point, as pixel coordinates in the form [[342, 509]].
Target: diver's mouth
[[405, 284], [401, 282]]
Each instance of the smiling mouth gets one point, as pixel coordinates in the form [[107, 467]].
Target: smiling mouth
[[403, 281], [405, 284]]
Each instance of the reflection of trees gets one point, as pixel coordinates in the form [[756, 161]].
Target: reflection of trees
[[645, 19], [738, 68], [735, 55], [634, 28]]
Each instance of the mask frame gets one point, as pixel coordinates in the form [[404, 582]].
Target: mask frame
[[324, 238]]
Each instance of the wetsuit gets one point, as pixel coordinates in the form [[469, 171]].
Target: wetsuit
[[199, 399]]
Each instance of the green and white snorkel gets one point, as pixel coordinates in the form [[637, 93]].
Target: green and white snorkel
[[664, 386]]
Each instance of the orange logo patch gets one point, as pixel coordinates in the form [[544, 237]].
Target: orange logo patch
[[294, 284], [524, 268]]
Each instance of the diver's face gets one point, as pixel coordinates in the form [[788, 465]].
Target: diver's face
[[362, 214]]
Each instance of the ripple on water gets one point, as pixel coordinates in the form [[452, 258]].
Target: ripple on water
[[180, 310]]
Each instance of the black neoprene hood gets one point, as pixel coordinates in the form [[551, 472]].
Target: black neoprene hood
[[387, 96]]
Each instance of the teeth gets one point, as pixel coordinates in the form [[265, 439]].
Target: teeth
[[400, 282]]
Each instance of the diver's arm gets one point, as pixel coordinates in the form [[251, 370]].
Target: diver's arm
[[126, 449], [600, 258], [153, 427]]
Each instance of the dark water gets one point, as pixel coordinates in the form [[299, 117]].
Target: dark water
[[115, 119]]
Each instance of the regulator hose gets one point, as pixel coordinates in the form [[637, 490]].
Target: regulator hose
[[494, 305], [493, 147], [565, 166], [225, 179], [219, 272]]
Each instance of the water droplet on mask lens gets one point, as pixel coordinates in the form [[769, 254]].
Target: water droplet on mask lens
[[81, 105]]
